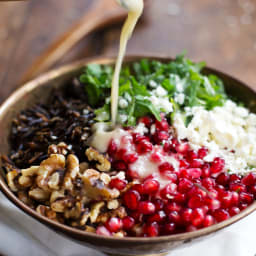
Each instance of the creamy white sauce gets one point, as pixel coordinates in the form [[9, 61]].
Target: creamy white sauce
[[135, 8]]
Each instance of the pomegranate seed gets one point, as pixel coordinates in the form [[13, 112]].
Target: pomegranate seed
[[169, 207], [131, 199], [146, 207], [194, 173], [167, 146], [156, 156], [159, 204], [220, 189], [202, 152], [144, 146], [220, 215], [183, 163], [160, 136], [242, 206], [186, 215], [184, 185], [235, 198], [226, 199], [168, 191], [151, 229], [249, 179], [165, 167], [130, 158], [120, 153], [234, 178], [169, 228], [238, 187], [206, 170], [191, 228], [150, 187], [212, 203], [114, 224], [223, 179], [137, 138], [101, 230], [196, 191], [137, 216], [191, 155], [246, 198], [157, 217], [195, 201], [118, 184], [233, 211], [147, 120], [208, 221], [112, 148], [182, 148], [197, 217], [174, 217], [217, 165], [196, 163], [252, 189], [132, 175], [162, 125], [180, 198], [128, 223], [138, 187], [208, 183], [120, 165]]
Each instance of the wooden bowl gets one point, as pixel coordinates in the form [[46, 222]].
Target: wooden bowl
[[39, 90]]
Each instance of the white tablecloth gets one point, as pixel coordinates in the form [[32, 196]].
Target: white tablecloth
[[20, 235]]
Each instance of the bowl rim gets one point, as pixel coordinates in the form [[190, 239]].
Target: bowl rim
[[58, 72]]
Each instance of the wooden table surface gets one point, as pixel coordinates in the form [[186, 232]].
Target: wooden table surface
[[221, 32]]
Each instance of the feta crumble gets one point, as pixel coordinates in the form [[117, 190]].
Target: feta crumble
[[228, 132]]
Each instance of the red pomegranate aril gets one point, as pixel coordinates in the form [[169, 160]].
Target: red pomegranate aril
[[180, 198], [206, 170], [235, 198], [168, 191], [156, 156], [112, 148], [159, 204], [196, 191], [182, 148], [131, 199], [151, 230], [184, 185], [137, 137], [226, 199], [169, 228], [184, 173], [249, 179], [120, 165], [197, 217], [238, 187], [217, 165], [158, 217], [170, 176], [118, 184], [221, 215], [130, 158], [202, 152], [223, 179], [150, 187], [233, 211], [172, 206], [146, 120], [212, 203], [191, 228], [196, 163], [138, 187], [114, 224], [128, 223], [165, 167], [175, 217], [243, 206], [195, 201], [208, 221], [220, 189], [160, 136], [208, 183], [183, 163], [234, 178], [191, 155], [132, 175], [186, 215], [103, 231], [194, 173], [246, 198], [146, 207], [252, 189], [120, 153], [137, 216], [144, 146], [162, 125]]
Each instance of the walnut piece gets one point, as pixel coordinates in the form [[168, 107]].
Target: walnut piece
[[93, 155]]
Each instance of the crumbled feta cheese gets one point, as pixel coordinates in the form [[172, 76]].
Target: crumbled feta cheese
[[153, 84], [153, 129], [179, 98], [141, 128], [228, 132], [123, 103]]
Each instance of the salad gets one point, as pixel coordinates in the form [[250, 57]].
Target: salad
[[182, 156]]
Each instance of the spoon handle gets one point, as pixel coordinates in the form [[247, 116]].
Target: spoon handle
[[101, 14]]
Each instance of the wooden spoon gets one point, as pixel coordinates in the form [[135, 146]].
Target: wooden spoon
[[102, 13]]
